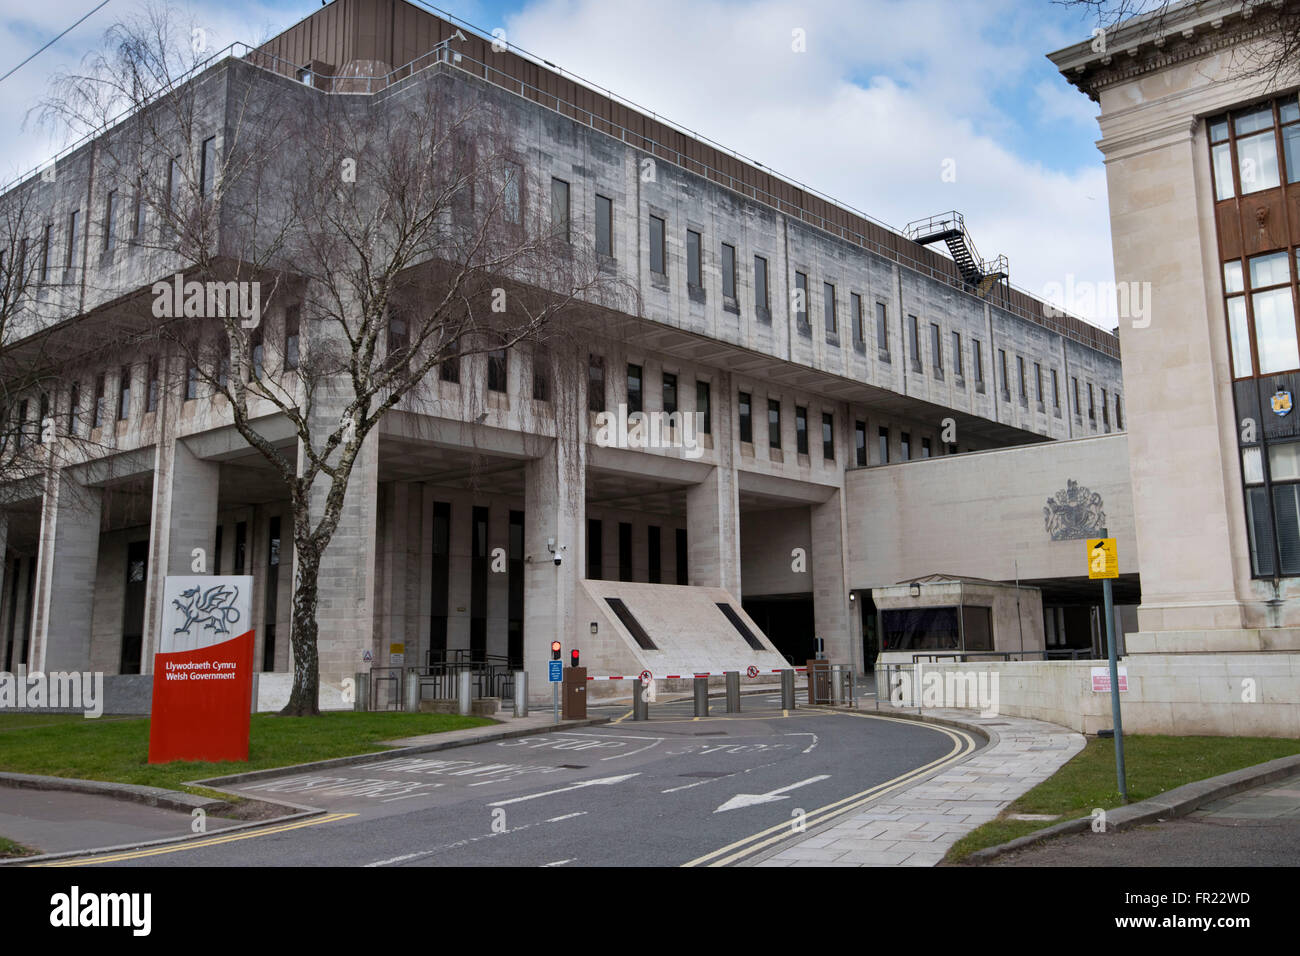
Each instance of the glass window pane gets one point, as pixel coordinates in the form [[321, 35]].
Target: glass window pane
[[1257, 162], [657, 245], [1290, 110], [1255, 119], [1287, 514], [1239, 333], [1269, 270], [1261, 535], [604, 226], [1222, 155], [1283, 461], [1252, 466], [1232, 277], [1218, 131], [1275, 331], [693, 273], [1291, 146]]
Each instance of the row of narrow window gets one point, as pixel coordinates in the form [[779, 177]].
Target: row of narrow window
[[112, 213]]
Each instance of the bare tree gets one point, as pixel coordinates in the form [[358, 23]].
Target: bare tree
[[1274, 59], [396, 231]]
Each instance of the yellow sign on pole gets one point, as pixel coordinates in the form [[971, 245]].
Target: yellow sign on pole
[[1103, 558]]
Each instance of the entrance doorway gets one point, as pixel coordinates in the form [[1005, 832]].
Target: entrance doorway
[[137, 556], [788, 622]]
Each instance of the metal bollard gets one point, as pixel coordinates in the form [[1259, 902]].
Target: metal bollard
[[362, 701], [464, 697], [640, 706], [837, 691], [521, 693], [412, 691], [701, 697], [733, 691], [787, 690]]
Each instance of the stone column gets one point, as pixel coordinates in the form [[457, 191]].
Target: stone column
[[184, 517], [65, 575], [713, 531], [830, 590], [555, 507], [394, 561], [345, 610]]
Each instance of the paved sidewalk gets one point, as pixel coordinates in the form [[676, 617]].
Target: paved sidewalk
[[52, 821], [916, 826]]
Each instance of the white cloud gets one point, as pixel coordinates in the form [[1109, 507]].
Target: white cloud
[[885, 94], [24, 31]]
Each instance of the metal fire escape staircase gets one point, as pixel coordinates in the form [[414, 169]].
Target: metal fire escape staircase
[[950, 228]]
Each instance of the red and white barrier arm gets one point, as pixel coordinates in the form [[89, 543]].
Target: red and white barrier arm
[[775, 670]]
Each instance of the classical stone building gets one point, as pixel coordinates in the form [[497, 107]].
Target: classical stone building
[[826, 355]]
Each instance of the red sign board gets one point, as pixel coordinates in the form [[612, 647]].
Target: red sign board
[[203, 671], [202, 700]]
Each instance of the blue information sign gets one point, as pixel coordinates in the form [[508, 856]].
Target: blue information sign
[[557, 671]]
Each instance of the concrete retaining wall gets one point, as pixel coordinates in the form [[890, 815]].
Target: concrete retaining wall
[[1231, 695]]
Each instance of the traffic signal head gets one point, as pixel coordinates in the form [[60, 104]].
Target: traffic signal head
[[573, 657], [555, 650]]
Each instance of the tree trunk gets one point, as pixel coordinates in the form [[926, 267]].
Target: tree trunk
[[304, 700]]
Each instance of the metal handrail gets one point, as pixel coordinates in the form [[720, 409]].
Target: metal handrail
[[962, 657]]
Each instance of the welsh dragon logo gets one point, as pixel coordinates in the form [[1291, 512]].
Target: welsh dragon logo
[[213, 609]]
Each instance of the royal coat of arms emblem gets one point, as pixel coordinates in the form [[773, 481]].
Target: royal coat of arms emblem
[[1074, 512]]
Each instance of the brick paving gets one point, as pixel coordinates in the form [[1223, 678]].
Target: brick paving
[[916, 826]]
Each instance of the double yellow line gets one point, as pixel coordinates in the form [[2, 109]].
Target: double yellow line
[[963, 744], [196, 844]]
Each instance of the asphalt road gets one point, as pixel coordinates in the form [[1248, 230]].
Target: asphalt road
[[671, 791]]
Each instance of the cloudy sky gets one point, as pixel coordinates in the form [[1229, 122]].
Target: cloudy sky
[[887, 96]]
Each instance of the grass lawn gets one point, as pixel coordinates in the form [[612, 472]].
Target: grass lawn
[[1153, 764], [8, 848], [69, 745]]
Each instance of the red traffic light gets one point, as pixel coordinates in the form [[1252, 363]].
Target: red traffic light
[[573, 657], [555, 650]]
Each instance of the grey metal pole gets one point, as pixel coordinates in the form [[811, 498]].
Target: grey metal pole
[[412, 691], [640, 706], [1116, 722], [362, 702], [521, 693], [701, 697], [733, 691], [787, 689], [464, 699], [837, 692], [555, 700]]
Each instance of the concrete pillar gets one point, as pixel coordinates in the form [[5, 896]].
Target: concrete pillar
[[65, 575], [713, 535], [5, 609], [345, 610], [393, 564], [184, 517], [555, 507], [830, 590]]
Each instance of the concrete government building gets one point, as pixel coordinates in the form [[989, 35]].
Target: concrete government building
[[900, 458]]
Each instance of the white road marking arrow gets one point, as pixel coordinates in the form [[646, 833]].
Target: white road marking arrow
[[602, 782], [753, 799]]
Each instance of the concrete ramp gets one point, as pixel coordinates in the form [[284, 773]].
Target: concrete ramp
[[687, 629]]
